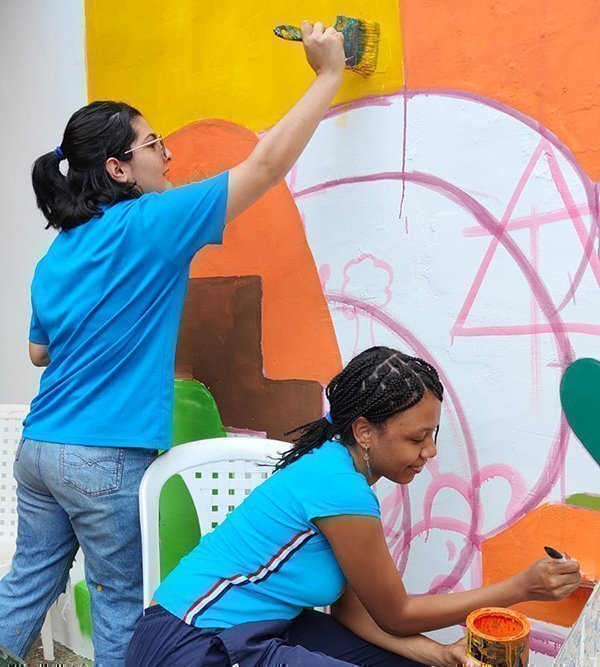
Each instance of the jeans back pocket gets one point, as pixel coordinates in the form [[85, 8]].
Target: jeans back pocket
[[95, 471]]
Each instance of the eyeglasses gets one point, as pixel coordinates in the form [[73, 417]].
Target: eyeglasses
[[158, 140]]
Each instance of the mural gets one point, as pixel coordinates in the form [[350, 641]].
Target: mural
[[447, 206]]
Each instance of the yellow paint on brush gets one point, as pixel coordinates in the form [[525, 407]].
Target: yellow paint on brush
[[183, 61]]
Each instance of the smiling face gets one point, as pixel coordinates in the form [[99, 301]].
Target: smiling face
[[401, 446], [149, 164]]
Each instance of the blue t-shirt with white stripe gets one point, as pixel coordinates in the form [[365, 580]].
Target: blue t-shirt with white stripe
[[268, 560], [107, 300]]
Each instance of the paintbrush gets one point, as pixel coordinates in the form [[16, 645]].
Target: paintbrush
[[361, 41], [586, 581]]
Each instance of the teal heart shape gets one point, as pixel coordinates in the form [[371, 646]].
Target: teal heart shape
[[580, 399]]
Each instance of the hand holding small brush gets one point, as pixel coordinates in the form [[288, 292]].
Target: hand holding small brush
[[550, 579]]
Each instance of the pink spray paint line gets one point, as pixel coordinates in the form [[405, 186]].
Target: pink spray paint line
[[378, 263], [442, 482], [587, 239], [572, 289], [556, 326], [592, 189], [451, 549], [487, 259], [534, 340], [324, 275], [372, 333], [529, 330], [525, 222], [518, 488]]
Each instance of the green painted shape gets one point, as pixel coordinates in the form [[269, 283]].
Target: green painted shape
[[195, 417], [588, 500], [580, 398], [83, 608]]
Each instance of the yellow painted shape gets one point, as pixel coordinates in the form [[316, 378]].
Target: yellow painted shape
[[182, 61]]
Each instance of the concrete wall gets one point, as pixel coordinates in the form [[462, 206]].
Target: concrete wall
[[42, 81]]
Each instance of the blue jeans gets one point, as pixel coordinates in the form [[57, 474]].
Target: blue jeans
[[70, 496]]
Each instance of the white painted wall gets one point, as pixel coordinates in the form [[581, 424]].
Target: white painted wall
[[42, 82], [400, 262]]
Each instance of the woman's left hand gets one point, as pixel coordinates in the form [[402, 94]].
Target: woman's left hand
[[455, 655]]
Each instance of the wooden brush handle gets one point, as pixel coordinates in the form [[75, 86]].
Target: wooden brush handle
[[289, 32]]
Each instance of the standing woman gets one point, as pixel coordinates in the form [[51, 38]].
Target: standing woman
[[107, 300]]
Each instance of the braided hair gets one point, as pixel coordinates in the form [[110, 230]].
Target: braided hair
[[377, 384]]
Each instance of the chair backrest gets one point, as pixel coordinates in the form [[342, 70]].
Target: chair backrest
[[219, 473], [11, 427]]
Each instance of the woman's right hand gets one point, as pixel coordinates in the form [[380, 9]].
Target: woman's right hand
[[324, 48], [548, 580]]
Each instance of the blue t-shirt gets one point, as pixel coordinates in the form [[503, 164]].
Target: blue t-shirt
[[107, 300], [268, 560]]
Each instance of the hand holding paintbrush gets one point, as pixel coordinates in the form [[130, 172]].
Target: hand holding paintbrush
[[549, 579], [361, 41], [322, 48]]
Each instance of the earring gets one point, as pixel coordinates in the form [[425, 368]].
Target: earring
[[368, 462]]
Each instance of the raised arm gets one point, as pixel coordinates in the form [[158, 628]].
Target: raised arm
[[361, 551], [279, 149]]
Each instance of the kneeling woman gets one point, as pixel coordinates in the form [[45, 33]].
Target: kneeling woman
[[311, 535]]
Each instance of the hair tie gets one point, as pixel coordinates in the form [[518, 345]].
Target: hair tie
[[61, 155], [328, 418]]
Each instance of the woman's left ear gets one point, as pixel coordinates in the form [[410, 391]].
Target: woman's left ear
[[362, 429], [115, 170]]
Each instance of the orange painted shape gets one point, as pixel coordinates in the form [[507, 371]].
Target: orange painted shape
[[539, 57], [570, 530], [267, 240]]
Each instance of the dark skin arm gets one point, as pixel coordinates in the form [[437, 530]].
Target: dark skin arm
[[359, 545], [349, 611]]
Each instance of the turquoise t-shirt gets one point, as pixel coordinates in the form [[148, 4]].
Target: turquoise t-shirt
[[107, 300], [268, 560]]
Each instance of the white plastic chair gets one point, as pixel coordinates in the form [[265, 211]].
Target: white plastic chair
[[11, 427], [219, 473]]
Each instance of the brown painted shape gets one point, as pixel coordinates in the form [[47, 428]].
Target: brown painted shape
[[570, 530], [267, 240], [539, 57], [220, 345]]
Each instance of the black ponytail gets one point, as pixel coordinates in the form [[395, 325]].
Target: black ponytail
[[377, 384], [49, 184], [93, 134]]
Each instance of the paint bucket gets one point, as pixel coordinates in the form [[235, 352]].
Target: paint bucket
[[498, 637]]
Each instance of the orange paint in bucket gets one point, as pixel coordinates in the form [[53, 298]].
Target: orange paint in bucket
[[498, 637]]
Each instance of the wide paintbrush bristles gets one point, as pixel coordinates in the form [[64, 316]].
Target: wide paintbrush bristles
[[361, 43], [368, 48]]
